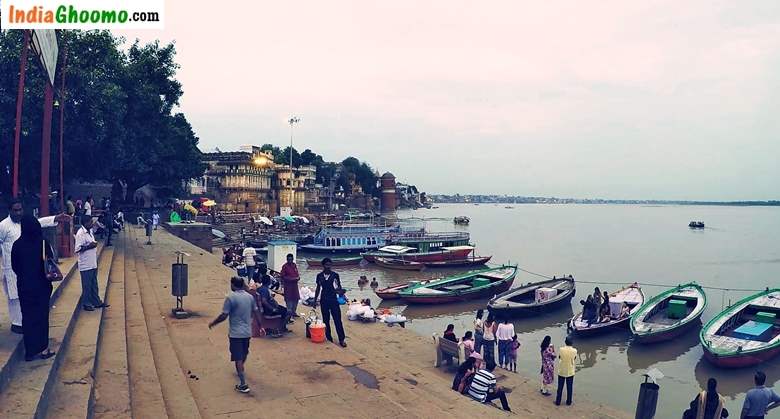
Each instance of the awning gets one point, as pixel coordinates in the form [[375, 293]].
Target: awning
[[265, 220], [285, 218], [396, 249], [218, 234]]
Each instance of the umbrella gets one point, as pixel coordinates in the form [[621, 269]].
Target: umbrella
[[285, 218], [209, 203], [218, 234], [265, 220], [304, 219]]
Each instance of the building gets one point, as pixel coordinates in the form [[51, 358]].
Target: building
[[389, 194]]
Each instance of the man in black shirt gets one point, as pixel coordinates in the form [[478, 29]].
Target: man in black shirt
[[329, 283]]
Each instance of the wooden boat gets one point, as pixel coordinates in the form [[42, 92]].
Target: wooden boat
[[745, 334], [696, 224], [524, 301], [461, 219], [391, 293], [632, 295], [669, 314], [459, 263], [405, 265], [469, 286], [348, 261]]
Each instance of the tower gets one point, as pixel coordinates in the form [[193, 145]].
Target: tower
[[389, 202]]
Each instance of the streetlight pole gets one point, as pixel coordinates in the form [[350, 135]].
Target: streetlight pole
[[293, 120]]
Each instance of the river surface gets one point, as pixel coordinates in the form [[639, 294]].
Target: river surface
[[739, 248]]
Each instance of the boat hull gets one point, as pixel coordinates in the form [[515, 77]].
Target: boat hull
[[669, 334], [477, 261], [312, 248], [532, 310], [421, 257], [414, 266], [741, 360], [465, 296], [336, 261], [390, 293]]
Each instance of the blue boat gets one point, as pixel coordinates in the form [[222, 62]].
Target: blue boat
[[351, 238]]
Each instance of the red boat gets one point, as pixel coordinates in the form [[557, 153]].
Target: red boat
[[414, 255], [459, 263]]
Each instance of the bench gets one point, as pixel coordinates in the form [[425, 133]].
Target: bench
[[264, 323], [447, 349]]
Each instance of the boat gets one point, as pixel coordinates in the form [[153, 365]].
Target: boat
[[632, 295], [669, 314], [461, 220], [391, 292], [534, 298], [411, 254], [406, 265], [343, 261], [459, 263], [477, 284], [696, 224], [746, 333], [351, 238]]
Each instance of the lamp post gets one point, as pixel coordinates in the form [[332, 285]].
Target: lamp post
[[293, 120]]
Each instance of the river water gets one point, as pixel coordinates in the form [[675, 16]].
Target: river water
[[739, 248]]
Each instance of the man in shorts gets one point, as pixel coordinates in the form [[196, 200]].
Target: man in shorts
[[238, 307]]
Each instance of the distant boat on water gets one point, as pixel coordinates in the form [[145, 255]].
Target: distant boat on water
[[461, 219], [696, 224]]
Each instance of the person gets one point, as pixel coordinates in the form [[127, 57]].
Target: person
[[88, 206], [478, 327], [70, 208], [449, 333], [483, 386], [604, 311], [374, 283], [28, 255], [86, 248], [514, 345], [290, 278], [588, 310], [597, 298], [504, 333], [270, 306], [249, 254], [10, 230], [759, 399], [625, 310], [547, 351], [468, 343], [708, 404], [155, 220], [238, 308], [120, 220], [465, 371], [489, 338], [566, 356], [329, 284], [148, 229]]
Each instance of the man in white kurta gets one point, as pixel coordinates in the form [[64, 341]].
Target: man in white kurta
[[10, 230]]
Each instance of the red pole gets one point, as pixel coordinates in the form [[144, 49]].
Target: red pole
[[62, 120], [19, 100], [48, 103]]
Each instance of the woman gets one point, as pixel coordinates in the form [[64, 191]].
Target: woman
[[489, 339], [478, 325], [504, 333], [708, 404], [604, 312], [466, 372], [589, 313], [597, 297], [28, 256], [449, 333], [547, 371], [468, 343]]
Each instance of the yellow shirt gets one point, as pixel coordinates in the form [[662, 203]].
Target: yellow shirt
[[567, 354]]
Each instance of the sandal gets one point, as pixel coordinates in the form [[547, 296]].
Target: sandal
[[43, 355]]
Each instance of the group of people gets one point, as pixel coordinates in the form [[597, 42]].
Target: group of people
[[596, 308], [27, 281], [759, 400], [249, 300]]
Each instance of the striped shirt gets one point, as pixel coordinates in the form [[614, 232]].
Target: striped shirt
[[482, 382]]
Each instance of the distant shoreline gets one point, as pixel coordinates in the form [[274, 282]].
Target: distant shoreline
[[487, 199]]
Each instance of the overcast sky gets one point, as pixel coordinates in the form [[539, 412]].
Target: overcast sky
[[613, 99]]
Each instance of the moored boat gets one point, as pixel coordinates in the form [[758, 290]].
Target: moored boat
[[696, 224], [534, 298], [351, 238], [745, 334], [345, 261], [461, 220], [632, 296], [459, 263], [669, 314], [415, 255], [464, 287], [406, 265], [391, 292]]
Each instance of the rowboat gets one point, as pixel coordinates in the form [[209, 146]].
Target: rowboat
[[745, 334], [413, 254], [391, 293], [631, 295], [669, 314], [348, 261], [405, 265], [534, 298], [459, 263], [464, 287]]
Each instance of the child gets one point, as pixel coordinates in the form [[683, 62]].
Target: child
[[449, 334], [468, 343], [514, 346], [155, 220]]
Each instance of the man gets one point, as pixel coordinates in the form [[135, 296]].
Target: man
[[88, 205], [329, 283], [567, 354], [759, 400], [10, 230], [270, 306], [155, 219], [290, 278], [249, 254], [70, 208], [86, 248], [483, 386], [238, 307]]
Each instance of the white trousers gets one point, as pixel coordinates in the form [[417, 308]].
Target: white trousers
[[14, 307]]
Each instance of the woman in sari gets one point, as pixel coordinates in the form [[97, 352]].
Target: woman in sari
[[548, 365]]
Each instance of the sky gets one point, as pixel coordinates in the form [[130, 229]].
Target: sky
[[609, 99]]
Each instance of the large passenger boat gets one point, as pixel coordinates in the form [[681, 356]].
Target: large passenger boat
[[419, 246], [353, 238]]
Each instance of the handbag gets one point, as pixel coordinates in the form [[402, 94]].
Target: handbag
[[50, 268]]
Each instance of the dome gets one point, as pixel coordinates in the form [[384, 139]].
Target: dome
[[388, 175]]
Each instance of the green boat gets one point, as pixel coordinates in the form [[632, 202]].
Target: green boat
[[669, 314], [484, 283]]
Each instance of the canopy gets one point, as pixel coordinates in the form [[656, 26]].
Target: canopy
[[285, 218], [217, 233], [209, 203], [396, 249], [265, 220], [304, 219]]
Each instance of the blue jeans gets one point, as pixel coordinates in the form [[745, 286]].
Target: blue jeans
[[503, 351], [478, 342], [489, 347], [89, 289]]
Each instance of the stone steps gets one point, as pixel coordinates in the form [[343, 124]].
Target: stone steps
[[27, 385]]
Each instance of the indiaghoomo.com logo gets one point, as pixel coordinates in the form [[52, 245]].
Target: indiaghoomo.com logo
[[82, 14]]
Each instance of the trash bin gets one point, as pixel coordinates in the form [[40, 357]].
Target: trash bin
[[648, 400], [179, 277]]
